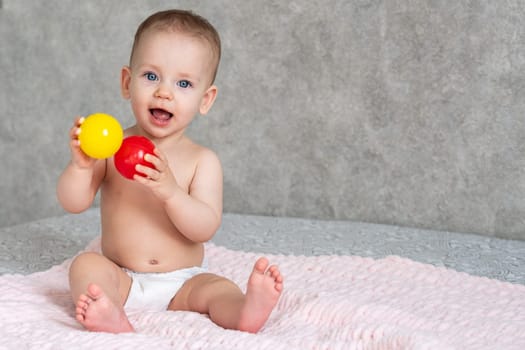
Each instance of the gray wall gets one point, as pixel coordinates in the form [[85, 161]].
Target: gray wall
[[395, 111]]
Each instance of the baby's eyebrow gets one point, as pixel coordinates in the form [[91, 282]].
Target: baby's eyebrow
[[146, 67], [179, 75], [189, 77]]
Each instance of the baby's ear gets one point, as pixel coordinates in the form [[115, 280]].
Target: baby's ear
[[208, 99], [125, 78]]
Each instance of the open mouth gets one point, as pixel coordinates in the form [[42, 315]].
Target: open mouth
[[160, 115]]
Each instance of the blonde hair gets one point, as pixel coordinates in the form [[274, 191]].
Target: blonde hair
[[183, 22]]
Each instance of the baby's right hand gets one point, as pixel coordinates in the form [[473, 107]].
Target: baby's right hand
[[78, 157]]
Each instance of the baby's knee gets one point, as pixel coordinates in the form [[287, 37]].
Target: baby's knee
[[84, 261]]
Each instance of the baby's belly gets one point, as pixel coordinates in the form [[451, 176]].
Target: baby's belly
[[138, 235], [151, 252]]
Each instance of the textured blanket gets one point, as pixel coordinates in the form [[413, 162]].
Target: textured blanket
[[329, 302]]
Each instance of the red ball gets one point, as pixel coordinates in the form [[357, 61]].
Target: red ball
[[131, 153]]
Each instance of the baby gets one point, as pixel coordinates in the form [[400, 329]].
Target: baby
[[154, 226]]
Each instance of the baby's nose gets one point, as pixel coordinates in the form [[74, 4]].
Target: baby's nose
[[164, 92]]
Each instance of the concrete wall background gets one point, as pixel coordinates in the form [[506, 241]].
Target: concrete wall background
[[399, 112]]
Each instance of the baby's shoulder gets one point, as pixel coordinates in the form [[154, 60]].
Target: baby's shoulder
[[199, 165], [200, 154], [206, 155]]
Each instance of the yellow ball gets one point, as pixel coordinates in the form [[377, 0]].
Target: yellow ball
[[100, 136]]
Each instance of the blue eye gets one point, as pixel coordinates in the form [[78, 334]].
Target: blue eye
[[184, 84], [151, 76]]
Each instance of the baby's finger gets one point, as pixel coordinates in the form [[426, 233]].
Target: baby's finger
[[159, 154], [162, 158], [146, 171], [75, 129], [74, 132], [158, 163], [74, 143]]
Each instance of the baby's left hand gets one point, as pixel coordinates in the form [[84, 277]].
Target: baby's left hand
[[158, 178]]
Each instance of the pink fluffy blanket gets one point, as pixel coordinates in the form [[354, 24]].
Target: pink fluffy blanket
[[329, 302]]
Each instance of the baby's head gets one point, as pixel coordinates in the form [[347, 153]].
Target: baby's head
[[182, 22]]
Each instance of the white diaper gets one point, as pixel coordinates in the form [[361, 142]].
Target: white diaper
[[154, 291]]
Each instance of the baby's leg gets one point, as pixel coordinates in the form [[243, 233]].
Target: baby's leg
[[225, 303], [99, 288]]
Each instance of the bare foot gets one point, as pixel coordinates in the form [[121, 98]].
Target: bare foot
[[264, 289], [96, 312]]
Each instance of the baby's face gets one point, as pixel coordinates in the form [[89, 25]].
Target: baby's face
[[169, 79]]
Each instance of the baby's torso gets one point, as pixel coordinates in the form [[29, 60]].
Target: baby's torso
[[136, 231]]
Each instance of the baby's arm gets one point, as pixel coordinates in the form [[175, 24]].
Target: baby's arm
[[197, 214], [79, 182]]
